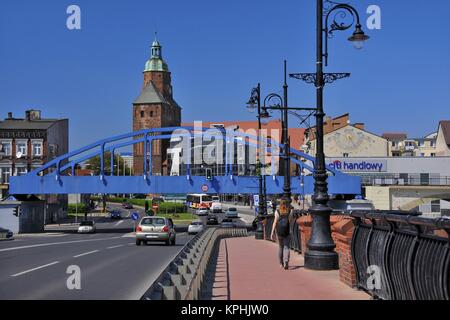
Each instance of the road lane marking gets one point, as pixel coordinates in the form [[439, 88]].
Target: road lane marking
[[119, 222], [34, 269], [113, 247], [55, 243], [85, 254]]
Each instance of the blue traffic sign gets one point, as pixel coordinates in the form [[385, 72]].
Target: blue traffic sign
[[134, 216]]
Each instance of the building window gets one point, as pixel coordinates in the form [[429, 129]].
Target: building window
[[151, 114], [21, 147], [37, 149], [5, 173], [5, 148], [142, 114], [20, 171], [432, 143], [394, 144], [433, 155], [345, 155], [422, 154]]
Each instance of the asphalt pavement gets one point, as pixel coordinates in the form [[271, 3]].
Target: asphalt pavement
[[111, 265]]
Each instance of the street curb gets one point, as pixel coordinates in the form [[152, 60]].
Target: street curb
[[184, 277]]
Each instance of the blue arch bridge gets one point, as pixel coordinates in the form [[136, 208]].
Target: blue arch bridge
[[59, 176]]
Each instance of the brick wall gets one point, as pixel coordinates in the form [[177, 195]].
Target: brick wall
[[342, 231]]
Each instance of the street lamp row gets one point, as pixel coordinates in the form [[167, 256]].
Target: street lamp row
[[320, 254]]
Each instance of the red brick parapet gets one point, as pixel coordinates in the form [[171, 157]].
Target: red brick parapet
[[342, 231]]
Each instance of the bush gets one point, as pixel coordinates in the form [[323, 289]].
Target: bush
[[171, 207], [81, 208]]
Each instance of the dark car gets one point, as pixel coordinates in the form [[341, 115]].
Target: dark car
[[212, 221], [116, 214], [228, 223], [127, 205], [6, 233]]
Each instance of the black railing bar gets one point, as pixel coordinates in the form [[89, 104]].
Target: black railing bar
[[411, 218]]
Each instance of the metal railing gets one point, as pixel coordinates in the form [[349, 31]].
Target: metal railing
[[411, 180], [184, 277], [296, 241], [404, 252]]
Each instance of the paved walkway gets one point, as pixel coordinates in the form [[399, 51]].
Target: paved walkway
[[247, 269]]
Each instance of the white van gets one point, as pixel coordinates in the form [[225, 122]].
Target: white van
[[216, 207]]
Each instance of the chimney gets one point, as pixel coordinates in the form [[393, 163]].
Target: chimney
[[32, 115], [10, 115]]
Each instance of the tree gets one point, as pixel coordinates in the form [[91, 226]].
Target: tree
[[94, 164]]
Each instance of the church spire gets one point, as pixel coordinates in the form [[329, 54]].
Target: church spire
[[156, 62]]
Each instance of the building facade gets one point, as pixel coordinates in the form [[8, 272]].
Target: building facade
[[28, 143], [443, 139], [155, 108], [351, 141]]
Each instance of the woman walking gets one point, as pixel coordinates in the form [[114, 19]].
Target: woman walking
[[281, 226]]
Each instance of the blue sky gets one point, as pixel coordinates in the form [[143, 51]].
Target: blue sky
[[217, 51]]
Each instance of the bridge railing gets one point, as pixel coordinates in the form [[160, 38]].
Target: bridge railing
[[401, 257]]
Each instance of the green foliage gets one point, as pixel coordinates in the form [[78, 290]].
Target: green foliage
[[82, 208], [94, 164]]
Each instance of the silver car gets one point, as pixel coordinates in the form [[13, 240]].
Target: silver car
[[155, 229], [87, 226], [195, 227]]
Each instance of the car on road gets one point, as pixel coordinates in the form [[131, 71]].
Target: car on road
[[216, 207], [232, 213], [159, 229], [87, 226], [195, 227], [212, 220], [115, 214], [6, 233], [227, 223], [127, 205], [202, 212]]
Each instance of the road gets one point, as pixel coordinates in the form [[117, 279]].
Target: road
[[111, 265]]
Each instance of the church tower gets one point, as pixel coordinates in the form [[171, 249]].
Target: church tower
[[155, 108]]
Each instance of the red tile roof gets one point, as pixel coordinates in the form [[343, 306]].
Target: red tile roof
[[395, 136]]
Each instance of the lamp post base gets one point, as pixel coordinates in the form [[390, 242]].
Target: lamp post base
[[320, 260], [259, 233]]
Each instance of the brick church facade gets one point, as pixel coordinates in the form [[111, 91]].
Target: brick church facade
[[155, 108]]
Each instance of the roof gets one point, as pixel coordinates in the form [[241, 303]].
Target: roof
[[150, 95], [21, 124], [445, 125], [394, 136], [297, 135]]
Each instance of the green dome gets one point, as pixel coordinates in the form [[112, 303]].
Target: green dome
[[156, 62]]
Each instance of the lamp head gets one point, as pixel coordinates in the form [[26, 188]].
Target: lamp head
[[358, 38], [264, 113]]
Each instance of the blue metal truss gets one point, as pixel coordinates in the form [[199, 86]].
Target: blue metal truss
[[58, 176]]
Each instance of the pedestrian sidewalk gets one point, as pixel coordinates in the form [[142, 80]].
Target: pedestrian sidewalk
[[248, 269]]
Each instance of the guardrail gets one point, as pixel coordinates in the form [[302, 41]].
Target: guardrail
[[296, 243], [401, 257], [183, 279]]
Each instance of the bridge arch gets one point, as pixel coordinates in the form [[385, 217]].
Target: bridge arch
[[58, 176]]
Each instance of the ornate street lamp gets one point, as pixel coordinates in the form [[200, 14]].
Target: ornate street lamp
[[320, 254], [255, 103]]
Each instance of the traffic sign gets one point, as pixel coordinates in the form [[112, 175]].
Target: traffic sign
[[134, 216], [256, 200], [205, 188]]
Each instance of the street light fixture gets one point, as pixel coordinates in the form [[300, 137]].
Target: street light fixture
[[320, 254]]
